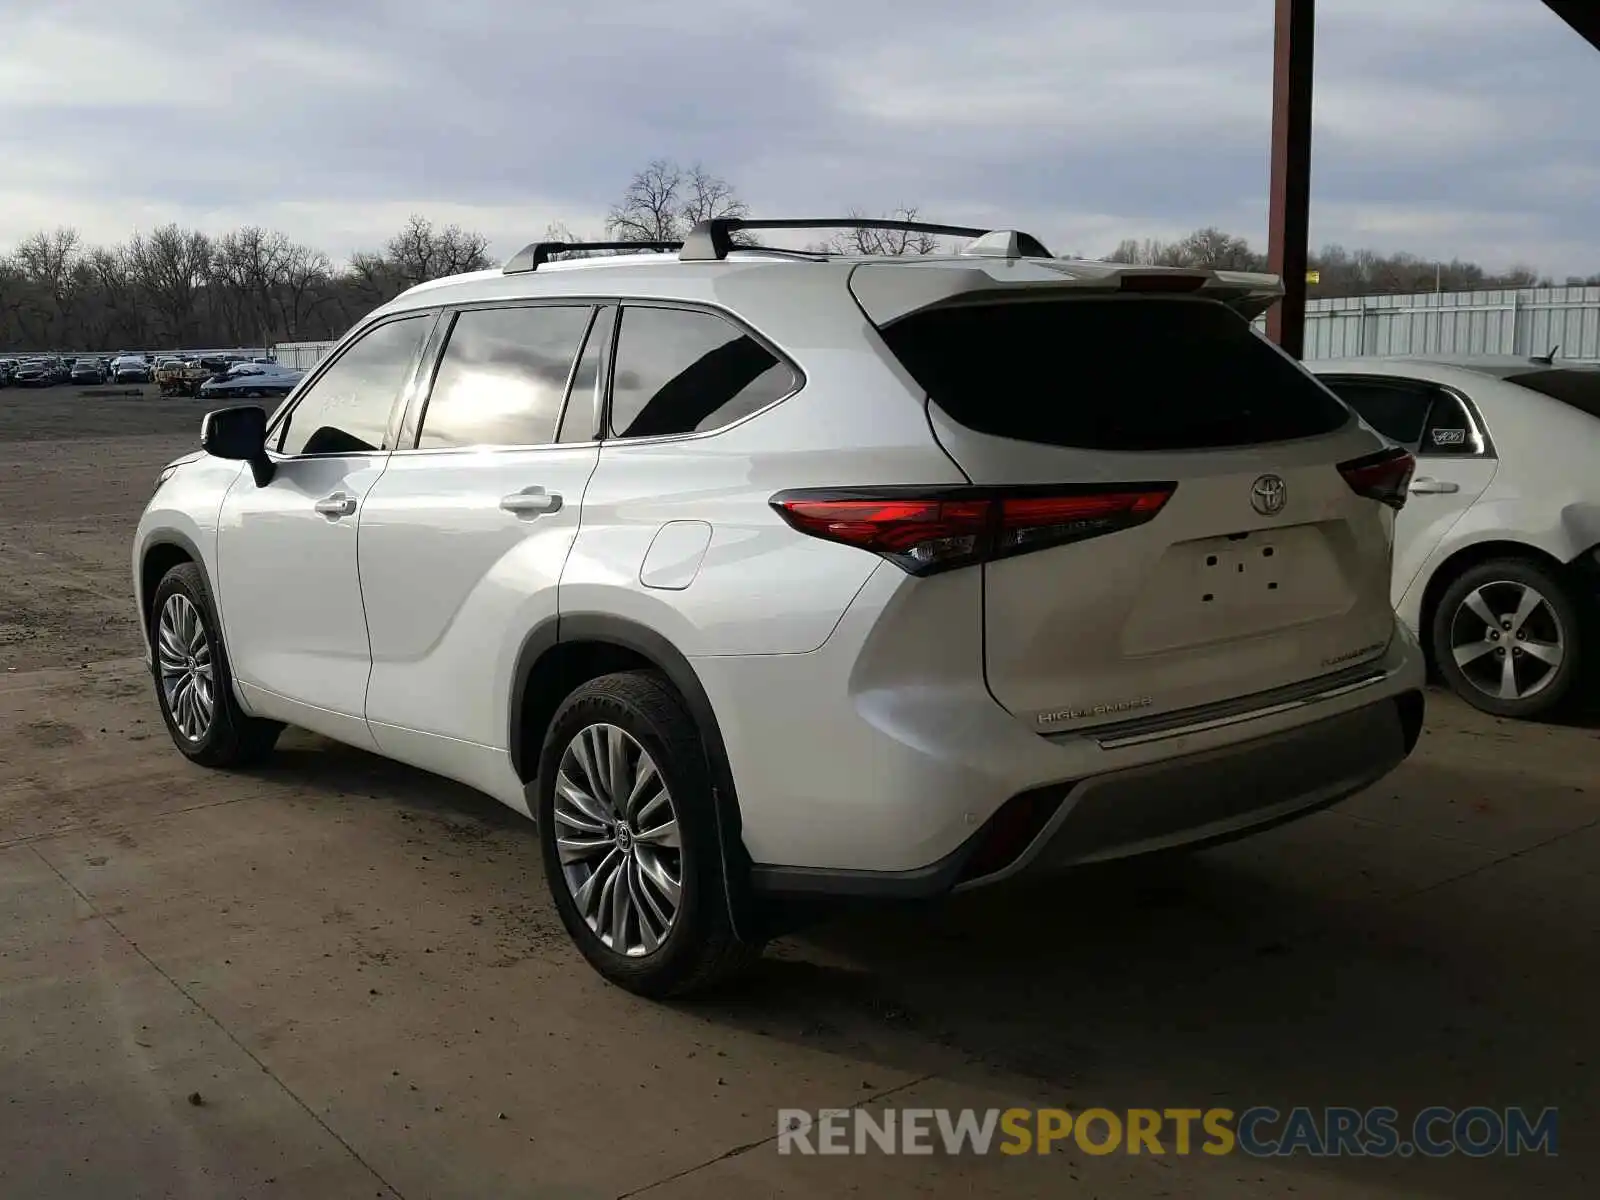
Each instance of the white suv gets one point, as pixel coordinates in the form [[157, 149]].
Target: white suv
[[757, 574]]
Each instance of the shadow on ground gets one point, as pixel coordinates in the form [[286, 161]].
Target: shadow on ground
[[1343, 960]]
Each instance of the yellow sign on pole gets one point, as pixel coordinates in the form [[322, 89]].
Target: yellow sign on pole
[[1313, 276]]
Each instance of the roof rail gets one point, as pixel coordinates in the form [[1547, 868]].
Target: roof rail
[[712, 239], [536, 254]]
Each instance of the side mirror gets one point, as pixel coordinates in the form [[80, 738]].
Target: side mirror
[[239, 434]]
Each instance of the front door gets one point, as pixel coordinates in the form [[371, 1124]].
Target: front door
[[286, 551]]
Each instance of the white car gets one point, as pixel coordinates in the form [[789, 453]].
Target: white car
[[1497, 553], [756, 574]]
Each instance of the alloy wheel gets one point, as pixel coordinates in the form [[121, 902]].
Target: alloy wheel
[[1507, 640], [616, 832], [183, 657]]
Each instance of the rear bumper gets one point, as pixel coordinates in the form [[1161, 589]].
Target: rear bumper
[[1186, 802], [1222, 794]]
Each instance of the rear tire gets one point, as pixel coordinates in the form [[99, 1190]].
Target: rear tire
[[1507, 637], [632, 849], [194, 686]]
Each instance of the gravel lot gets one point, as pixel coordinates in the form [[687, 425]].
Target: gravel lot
[[339, 977]]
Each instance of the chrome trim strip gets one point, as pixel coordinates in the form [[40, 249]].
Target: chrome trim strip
[[1113, 741]]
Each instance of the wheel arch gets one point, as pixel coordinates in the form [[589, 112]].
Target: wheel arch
[[1462, 560], [162, 552], [566, 651]]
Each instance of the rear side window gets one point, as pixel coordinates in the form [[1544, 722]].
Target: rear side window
[[1112, 374], [1575, 386], [1450, 433], [503, 376], [680, 371], [1396, 410]]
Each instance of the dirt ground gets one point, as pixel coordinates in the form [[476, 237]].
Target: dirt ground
[[339, 977]]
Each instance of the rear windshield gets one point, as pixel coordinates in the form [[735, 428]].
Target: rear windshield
[[1112, 374], [1577, 386]]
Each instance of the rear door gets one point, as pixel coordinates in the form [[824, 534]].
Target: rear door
[[1263, 567], [1455, 462]]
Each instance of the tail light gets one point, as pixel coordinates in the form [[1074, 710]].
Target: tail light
[[1383, 476], [925, 531]]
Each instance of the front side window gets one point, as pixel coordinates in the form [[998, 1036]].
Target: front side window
[[503, 377], [680, 371], [346, 411]]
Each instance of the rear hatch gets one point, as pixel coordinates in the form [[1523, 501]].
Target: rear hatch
[[1244, 560]]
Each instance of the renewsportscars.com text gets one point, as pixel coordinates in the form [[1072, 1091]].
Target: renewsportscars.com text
[[1260, 1132]]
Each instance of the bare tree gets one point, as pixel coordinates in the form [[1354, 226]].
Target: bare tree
[[664, 200], [305, 289], [862, 240], [172, 266], [419, 252], [374, 279], [49, 262]]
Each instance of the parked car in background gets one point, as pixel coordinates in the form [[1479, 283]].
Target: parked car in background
[[763, 577], [1497, 551], [87, 370], [130, 368], [182, 377], [8, 368], [249, 380], [35, 372]]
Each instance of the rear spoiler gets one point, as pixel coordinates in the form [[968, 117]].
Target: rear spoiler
[[889, 291]]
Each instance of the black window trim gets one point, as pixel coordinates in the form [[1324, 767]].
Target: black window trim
[[433, 358], [604, 310], [278, 425], [1471, 409], [766, 343]]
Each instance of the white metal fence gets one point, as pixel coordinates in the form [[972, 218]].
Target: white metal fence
[[302, 354], [1522, 321]]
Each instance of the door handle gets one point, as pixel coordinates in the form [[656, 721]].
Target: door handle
[[1437, 486], [336, 505], [531, 502]]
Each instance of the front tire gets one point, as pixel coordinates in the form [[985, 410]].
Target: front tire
[[194, 686], [628, 829], [1507, 637]]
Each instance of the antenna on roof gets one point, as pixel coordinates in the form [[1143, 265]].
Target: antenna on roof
[[1548, 359]]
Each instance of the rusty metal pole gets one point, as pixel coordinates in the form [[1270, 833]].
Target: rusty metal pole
[[1289, 210]]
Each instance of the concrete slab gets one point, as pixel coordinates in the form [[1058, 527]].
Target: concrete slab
[[404, 976], [100, 1056]]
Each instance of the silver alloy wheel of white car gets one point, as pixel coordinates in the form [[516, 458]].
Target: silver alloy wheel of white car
[[183, 655], [616, 831], [1507, 639]]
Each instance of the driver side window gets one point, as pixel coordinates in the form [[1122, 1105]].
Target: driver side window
[[346, 411]]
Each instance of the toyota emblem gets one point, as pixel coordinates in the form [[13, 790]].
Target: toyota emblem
[[1268, 495]]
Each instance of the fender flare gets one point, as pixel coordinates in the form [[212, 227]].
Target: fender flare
[[181, 541], [640, 639]]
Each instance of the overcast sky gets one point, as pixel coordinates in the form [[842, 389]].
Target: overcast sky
[[1445, 127]]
